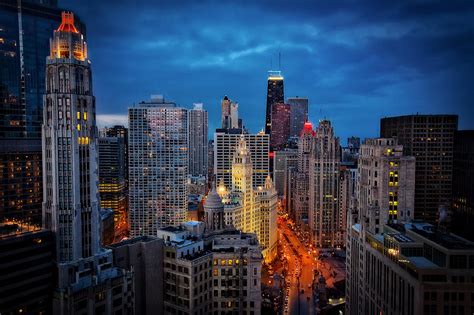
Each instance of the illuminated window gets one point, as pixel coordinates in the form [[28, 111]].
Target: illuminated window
[[79, 127], [230, 262], [216, 262], [78, 115], [223, 262], [216, 272], [85, 115]]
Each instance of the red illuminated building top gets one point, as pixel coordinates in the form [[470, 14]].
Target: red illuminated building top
[[308, 129], [67, 23]]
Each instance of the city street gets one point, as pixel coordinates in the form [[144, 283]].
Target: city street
[[300, 267]]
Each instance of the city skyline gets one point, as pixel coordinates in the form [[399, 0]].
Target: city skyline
[[368, 59]]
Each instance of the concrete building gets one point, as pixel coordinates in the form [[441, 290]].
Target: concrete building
[[27, 270], [324, 213], [386, 184], [298, 114], [280, 132], [266, 200], [463, 183], [113, 182], [430, 139], [300, 184], [229, 114], [144, 256], [157, 183], [225, 143], [410, 268], [197, 137], [281, 161], [87, 282], [213, 272], [275, 94]]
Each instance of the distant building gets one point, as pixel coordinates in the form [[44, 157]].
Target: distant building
[[198, 141], [350, 153], [157, 183], [430, 139], [280, 167], [210, 161], [463, 184], [280, 132], [230, 114], [298, 114], [113, 182], [121, 132], [27, 269], [324, 213], [226, 142], [275, 94], [143, 255]]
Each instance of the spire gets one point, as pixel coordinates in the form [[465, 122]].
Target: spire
[[67, 23], [268, 182]]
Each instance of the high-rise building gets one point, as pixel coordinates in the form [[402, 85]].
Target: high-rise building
[[197, 129], [386, 184], [300, 177], [280, 167], [275, 94], [26, 269], [158, 166], [119, 131], [280, 132], [112, 182], [25, 29], [463, 183], [230, 114], [408, 268], [298, 114], [225, 144], [323, 212], [350, 153], [143, 255], [86, 278], [430, 139], [215, 272]]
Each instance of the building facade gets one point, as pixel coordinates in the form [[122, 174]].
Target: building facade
[[87, 282], [229, 114], [280, 168], [275, 94], [198, 152], [225, 144], [280, 132], [112, 182], [430, 139], [324, 213], [298, 114], [157, 183]]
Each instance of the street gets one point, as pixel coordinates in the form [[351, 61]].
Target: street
[[300, 267]]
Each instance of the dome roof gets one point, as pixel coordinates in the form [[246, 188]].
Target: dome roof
[[213, 200]]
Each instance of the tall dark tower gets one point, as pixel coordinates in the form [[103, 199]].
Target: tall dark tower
[[274, 95]]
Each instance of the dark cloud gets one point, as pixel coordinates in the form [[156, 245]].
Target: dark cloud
[[357, 61]]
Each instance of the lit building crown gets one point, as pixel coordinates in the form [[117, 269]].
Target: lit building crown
[[67, 41]]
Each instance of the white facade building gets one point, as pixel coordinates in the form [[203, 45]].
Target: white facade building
[[198, 142]]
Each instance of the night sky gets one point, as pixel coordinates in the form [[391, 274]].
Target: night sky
[[356, 61]]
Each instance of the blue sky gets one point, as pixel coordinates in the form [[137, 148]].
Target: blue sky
[[356, 61]]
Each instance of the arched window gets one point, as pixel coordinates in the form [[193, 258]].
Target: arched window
[[79, 81], [50, 83], [87, 81], [62, 78]]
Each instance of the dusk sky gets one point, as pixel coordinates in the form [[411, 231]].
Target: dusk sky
[[356, 61]]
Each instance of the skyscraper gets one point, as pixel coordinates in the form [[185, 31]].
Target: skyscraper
[[298, 114], [430, 139], [275, 94], [25, 29], [280, 126], [229, 114], [70, 196], [71, 205], [197, 129], [158, 166], [323, 210], [112, 182]]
